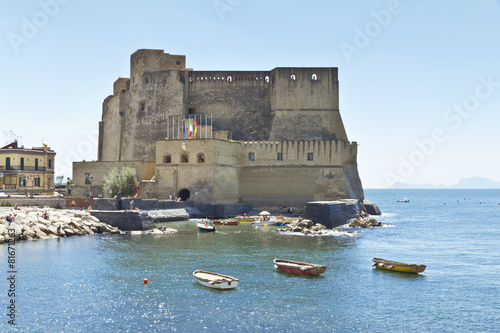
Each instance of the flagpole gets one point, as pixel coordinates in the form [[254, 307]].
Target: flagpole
[[211, 126], [167, 127]]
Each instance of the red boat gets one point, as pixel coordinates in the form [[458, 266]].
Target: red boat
[[296, 267], [226, 222]]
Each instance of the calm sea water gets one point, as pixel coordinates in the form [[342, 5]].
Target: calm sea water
[[94, 284]]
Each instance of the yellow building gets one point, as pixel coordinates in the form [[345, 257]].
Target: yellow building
[[26, 171]]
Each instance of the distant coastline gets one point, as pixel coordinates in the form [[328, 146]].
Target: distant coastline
[[465, 183]]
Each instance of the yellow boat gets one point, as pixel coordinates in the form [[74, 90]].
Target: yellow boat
[[244, 218], [397, 266]]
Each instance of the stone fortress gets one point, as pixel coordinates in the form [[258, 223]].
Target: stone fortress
[[269, 138]]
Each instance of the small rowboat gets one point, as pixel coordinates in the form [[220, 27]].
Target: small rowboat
[[397, 266], [206, 228], [220, 222], [215, 280], [296, 267]]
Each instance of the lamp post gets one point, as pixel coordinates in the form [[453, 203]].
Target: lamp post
[[1, 176]]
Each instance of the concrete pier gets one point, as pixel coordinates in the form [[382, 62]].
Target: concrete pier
[[332, 213]]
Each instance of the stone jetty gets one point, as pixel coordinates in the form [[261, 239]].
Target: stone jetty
[[40, 223]]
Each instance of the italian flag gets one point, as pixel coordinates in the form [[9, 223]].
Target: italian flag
[[190, 128]]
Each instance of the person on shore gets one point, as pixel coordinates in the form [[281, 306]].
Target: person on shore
[[15, 207], [45, 215], [73, 204], [10, 218], [58, 231], [132, 205], [89, 208]]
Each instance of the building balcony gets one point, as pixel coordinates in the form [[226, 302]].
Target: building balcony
[[24, 168]]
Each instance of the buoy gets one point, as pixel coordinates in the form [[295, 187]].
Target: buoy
[[145, 281]]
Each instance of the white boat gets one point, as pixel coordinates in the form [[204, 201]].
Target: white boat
[[264, 223], [205, 227], [215, 280]]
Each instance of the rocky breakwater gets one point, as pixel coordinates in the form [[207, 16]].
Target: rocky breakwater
[[364, 223], [306, 227], [40, 223]]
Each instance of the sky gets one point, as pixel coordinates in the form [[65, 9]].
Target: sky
[[419, 79]]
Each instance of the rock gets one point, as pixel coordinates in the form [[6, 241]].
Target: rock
[[3, 229], [42, 235], [68, 232]]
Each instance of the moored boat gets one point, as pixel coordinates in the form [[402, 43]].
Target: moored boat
[[264, 223], [215, 280], [281, 223], [220, 222], [397, 266], [296, 267], [244, 218], [206, 227]]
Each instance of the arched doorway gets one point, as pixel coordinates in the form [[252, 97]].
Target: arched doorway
[[184, 194]]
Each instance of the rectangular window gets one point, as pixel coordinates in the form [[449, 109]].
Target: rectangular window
[[310, 156], [22, 163], [251, 156], [50, 163], [280, 156], [36, 164], [167, 159], [143, 106], [177, 62], [7, 163]]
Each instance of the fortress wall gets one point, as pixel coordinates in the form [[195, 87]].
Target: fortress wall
[[305, 88], [148, 106], [111, 129], [332, 152], [226, 187], [153, 61], [241, 104], [305, 104]]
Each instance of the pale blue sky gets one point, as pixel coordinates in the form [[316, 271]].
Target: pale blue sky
[[419, 80]]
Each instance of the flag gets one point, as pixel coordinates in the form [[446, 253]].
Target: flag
[[195, 126], [190, 128], [184, 128]]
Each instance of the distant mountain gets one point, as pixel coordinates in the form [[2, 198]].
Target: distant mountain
[[467, 183]]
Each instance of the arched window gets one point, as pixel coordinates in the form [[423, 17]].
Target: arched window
[[184, 158], [167, 158], [314, 77], [200, 158], [292, 77], [266, 78], [229, 78]]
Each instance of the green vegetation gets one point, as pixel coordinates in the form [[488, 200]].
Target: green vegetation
[[69, 186], [122, 181]]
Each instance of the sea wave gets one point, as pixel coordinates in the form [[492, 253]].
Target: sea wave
[[324, 233]]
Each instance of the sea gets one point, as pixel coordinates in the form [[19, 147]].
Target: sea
[[96, 284]]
